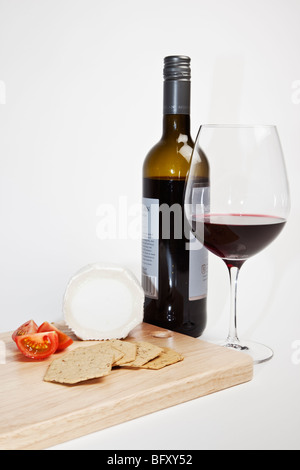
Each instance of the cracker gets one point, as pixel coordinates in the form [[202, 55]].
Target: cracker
[[105, 346], [129, 351], [145, 353], [81, 364], [166, 358], [109, 346]]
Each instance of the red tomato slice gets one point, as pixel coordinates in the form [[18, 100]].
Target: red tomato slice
[[39, 345], [27, 328], [64, 340]]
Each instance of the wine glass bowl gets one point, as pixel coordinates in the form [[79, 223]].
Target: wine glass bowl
[[249, 203]]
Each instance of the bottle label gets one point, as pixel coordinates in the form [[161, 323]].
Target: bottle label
[[198, 271], [150, 247], [198, 255]]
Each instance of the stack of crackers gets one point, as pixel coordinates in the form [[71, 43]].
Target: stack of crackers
[[97, 360]]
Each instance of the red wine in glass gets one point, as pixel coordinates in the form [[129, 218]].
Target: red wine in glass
[[248, 206], [235, 237]]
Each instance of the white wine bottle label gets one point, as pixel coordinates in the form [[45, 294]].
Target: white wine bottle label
[[150, 247], [198, 271]]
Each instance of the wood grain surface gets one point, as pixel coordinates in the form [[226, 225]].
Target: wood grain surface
[[36, 414]]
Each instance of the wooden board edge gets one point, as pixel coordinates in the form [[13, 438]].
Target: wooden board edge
[[97, 418]]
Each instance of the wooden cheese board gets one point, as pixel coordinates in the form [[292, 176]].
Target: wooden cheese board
[[37, 414]]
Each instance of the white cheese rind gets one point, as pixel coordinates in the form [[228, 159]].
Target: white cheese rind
[[103, 302]]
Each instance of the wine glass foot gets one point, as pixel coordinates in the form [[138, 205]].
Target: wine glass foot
[[259, 352]]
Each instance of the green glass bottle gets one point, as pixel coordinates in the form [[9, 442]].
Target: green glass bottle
[[174, 267]]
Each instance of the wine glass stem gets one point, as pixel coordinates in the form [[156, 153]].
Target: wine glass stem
[[234, 274]]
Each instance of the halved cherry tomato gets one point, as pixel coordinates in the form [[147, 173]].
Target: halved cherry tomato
[[64, 340], [39, 345], [27, 328]]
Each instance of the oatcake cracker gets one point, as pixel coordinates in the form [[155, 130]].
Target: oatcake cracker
[[108, 346], [145, 353], [166, 358], [81, 364], [96, 360], [128, 349]]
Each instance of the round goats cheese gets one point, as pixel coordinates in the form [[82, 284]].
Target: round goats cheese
[[103, 302]]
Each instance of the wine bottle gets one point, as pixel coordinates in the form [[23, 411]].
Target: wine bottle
[[174, 263]]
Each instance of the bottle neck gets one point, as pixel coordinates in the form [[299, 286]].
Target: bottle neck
[[175, 124], [177, 97]]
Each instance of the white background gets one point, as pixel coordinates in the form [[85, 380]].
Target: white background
[[82, 107]]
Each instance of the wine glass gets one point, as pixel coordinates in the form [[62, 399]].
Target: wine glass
[[248, 206]]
